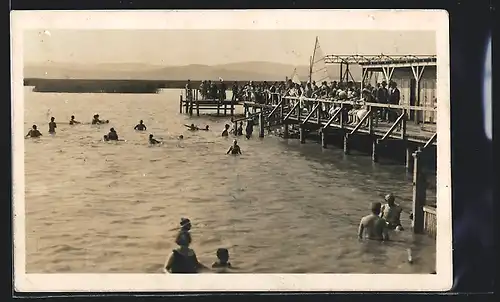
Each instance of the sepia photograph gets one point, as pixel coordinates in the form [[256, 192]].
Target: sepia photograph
[[294, 156]]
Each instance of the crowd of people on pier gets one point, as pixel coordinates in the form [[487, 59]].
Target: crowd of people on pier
[[267, 93]]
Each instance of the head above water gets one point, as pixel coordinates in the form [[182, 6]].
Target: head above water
[[72, 117], [376, 207], [151, 136], [112, 130], [389, 198], [141, 121], [52, 119], [226, 126], [185, 224], [207, 127], [235, 142], [223, 255], [34, 127], [181, 136]]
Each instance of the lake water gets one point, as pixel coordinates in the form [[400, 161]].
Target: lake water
[[281, 207]]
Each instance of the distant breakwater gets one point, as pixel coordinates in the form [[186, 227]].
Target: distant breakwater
[[111, 86]]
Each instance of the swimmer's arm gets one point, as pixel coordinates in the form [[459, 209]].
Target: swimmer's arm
[[29, 133], [382, 211], [239, 151], [361, 230], [135, 128], [230, 149]]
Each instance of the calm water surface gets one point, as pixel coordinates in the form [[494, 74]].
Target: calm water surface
[[281, 207]]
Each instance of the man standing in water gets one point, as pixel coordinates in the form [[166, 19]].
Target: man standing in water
[[234, 149], [140, 126], [112, 135], [373, 226], [391, 212], [72, 121], [34, 132], [52, 126]]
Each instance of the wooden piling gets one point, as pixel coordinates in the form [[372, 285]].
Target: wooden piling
[[347, 147], [190, 106], [409, 157], [232, 108], [186, 103], [218, 107], [375, 148], [261, 125], [180, 104], [302, 134], [197, 108], [323, 138], [285, 130], [419, 193], [225, 109]]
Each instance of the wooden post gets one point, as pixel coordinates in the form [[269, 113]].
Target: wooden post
[[186, 103], [261, 125], [190, 106], [370, 120], [409, 157], [180, 103], [218, 107], [282, 111], [302, 134], [341, 116], [225, 108], [318, 112], [285, 130], [419, 193], [375, 147], [197, 108], [323, 138], [232, 108], [403, 125], [347, 147]]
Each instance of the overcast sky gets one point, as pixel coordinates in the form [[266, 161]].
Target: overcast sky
[[210, 47]]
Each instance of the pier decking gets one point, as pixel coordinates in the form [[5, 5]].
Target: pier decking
[[190, 103]]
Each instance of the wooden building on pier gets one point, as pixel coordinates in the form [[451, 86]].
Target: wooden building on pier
[[415, 76]]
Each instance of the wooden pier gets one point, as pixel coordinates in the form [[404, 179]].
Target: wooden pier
[[190, 103], [414, 139]]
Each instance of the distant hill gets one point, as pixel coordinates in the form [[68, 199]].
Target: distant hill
[[258, 71]]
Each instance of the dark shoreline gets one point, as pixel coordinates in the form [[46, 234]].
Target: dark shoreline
[[110, 86]]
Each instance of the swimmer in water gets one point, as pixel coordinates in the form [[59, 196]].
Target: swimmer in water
[[373, 226], [234, 149], [34, 132], [391, 212], [181, 136], [97, 121], [205, 129], [191, 127], [222, 259], [239, 130], [140, 126], [72, 121], [153, 141], [52, 126], [112, 135], [105, 138], [225, 132]]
